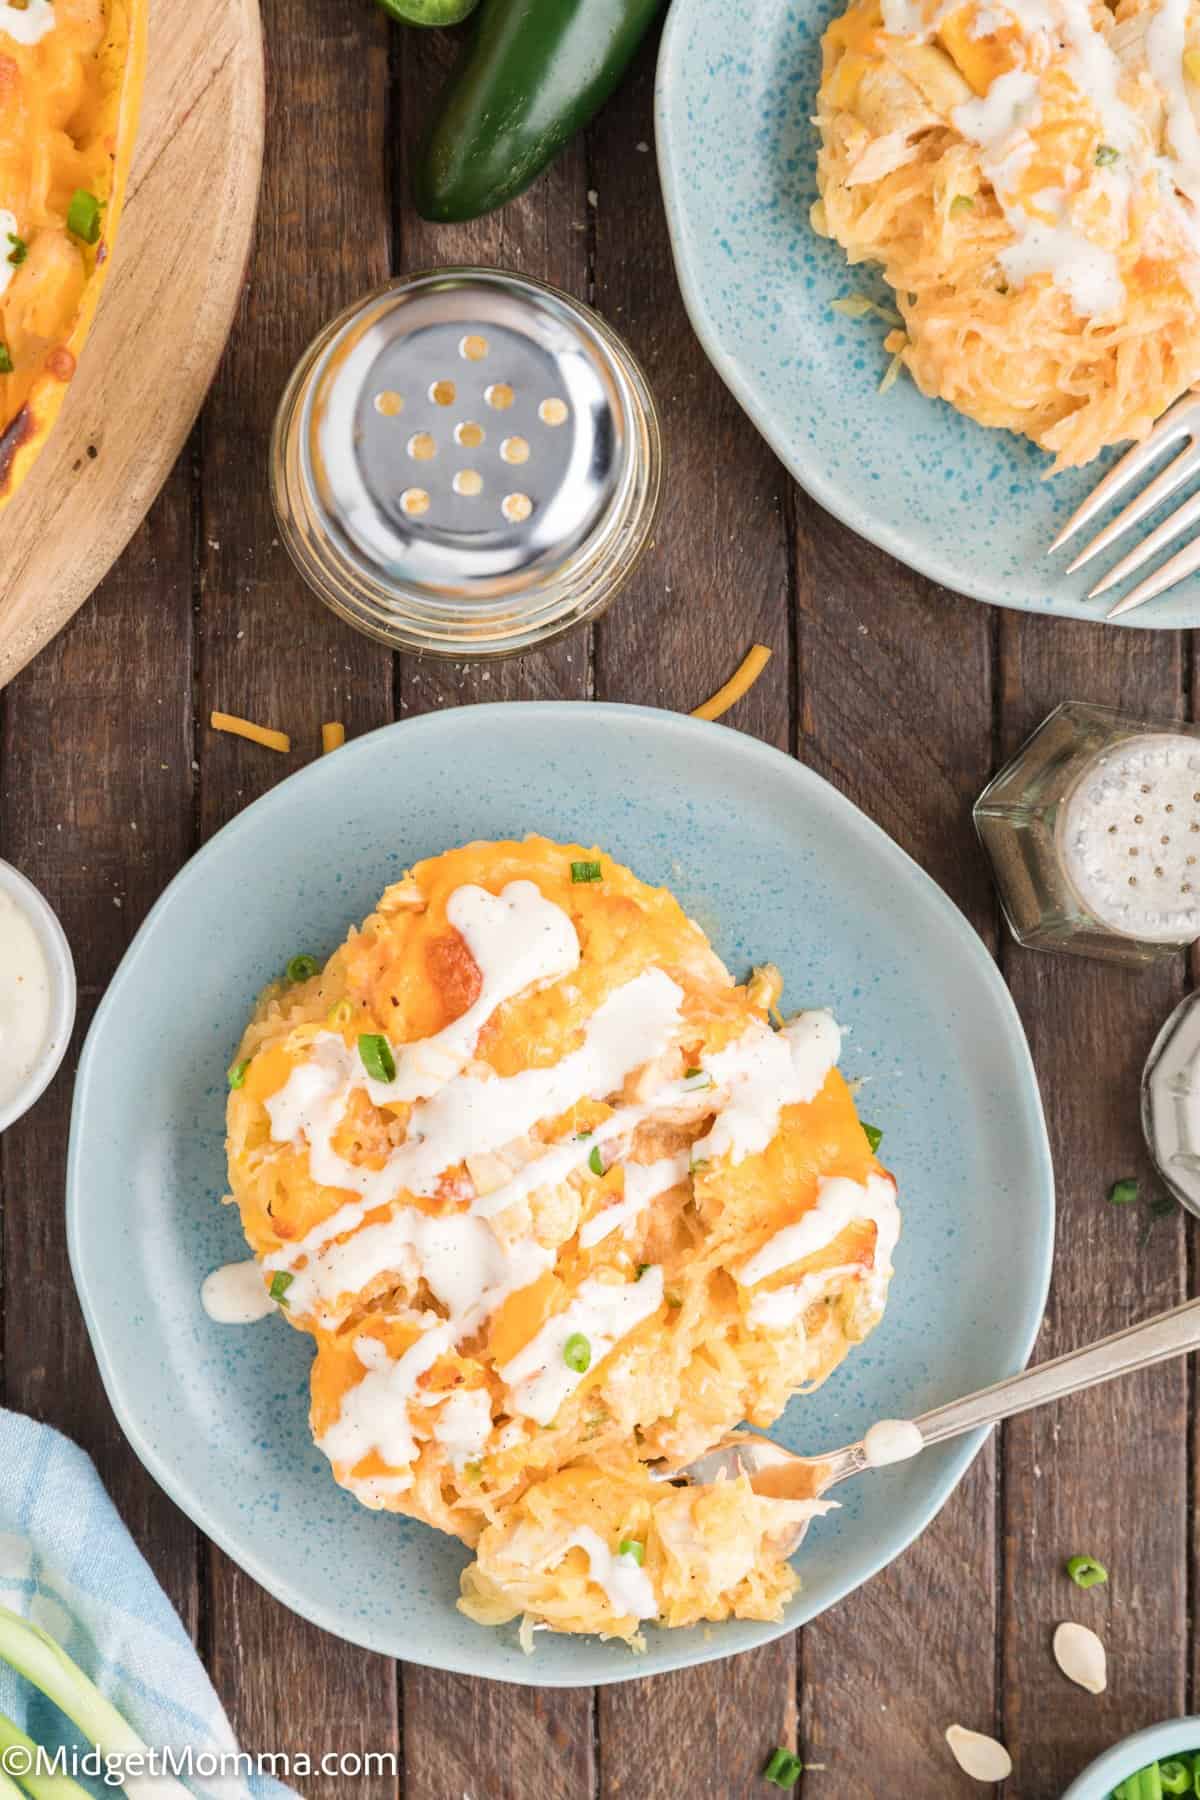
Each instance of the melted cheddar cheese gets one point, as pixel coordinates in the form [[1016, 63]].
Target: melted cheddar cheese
[[554, 1200], [70, 73]]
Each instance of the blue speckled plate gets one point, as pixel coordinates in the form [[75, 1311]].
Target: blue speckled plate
[[737, 81], [775, 865]]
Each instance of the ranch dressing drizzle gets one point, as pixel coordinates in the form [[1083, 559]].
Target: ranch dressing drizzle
[[236, 1294], [374, 1413], [779, 1308], [892, 1441], [765, 1071], [839, 1203], [519, 940], [463, 1424], [25, 998], [643, 1182], [626, 1585], [26, 25], [538, 1377]]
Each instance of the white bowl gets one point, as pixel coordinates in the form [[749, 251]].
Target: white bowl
[[53, 940], [1158, 1742]]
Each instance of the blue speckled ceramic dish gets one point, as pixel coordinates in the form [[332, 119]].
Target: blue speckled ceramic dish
[[775, 865], [737, 81], [1155, 1744]]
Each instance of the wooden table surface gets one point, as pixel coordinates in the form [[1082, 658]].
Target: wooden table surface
[[903, 695]]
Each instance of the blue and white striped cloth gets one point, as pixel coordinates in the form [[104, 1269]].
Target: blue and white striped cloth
[[68, 1564]]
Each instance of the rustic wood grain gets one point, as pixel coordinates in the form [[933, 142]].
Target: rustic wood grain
[[715, 581], [270, 651], [1106, 1472], [95, 807], [163, 318], [895, 683]]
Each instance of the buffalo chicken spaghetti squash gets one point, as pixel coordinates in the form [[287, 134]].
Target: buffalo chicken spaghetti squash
[[70, 75], [555, 1202], [1027, 173]]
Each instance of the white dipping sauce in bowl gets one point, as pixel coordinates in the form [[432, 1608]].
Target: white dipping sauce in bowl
[[37, 994]]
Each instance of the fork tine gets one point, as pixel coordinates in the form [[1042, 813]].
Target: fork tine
[[1165, 482], [1180, 519], [1184, 562], [1174, 423]]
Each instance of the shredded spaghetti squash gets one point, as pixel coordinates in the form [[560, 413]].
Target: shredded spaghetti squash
[[70, 81], [1027, 174], [556, 1201]]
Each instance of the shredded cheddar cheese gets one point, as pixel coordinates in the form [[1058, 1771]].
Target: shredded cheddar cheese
[[257, 734], [333, 736], [740, 683]]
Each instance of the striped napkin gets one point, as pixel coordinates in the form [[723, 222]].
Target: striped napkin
[[68, 1564]]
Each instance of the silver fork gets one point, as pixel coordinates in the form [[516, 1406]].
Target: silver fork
[[776, 1471], [1180, 421]]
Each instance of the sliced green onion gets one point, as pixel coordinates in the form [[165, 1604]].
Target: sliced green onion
[[83, 216], [873, 1136], [585, 871], [302, 968], [33, 1653], [641, 1269], [699, 1162], [961, 203], [1123, 1193], [1085, 1571], [595, 1160], [340, 1013], [1106, 154], [281, 1281], [577, 1352], [1175, 1776], [235, 1075], [42, 1787], [783, 1768], [19, 251], [6, 361], [697, 1078], [632, 1547], [377, 1058]]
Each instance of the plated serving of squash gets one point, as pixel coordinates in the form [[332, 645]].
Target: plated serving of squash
[[70, 84]]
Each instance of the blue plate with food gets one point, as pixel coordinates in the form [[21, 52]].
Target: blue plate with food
[[946, 256], [584, 1080]]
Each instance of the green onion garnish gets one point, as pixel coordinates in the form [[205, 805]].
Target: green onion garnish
[[280, 1283], [1123, 1193], [302, 968], [641, 1269], [19, 251], [1106, 154], [873, 1136], [585, 871], [377, 1058], [699, 1162], [783, 1769], [595, 1161], [1085, 1571], [6, 361], [632, 1547], [961, 203], [1175, 1777], [577, 1352], [697, 1078], [83, 216], [235, 1075]]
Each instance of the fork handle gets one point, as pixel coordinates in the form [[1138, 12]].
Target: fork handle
[[1170, 1334]]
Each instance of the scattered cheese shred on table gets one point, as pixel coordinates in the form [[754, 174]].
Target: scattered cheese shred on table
[[738, 684], [246, 728], [333, 736]]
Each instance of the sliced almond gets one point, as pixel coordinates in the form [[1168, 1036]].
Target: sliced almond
[[1081, 1656], [982, 1758]]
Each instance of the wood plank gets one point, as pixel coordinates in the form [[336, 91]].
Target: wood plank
[[95, 807], [895, 681], [1075, 1476], [270, 651], [715, 581], [473, 1737]]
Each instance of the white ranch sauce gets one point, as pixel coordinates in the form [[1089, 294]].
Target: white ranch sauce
[[8, 230], [628, 1588], [840, 1202], [27, 25], [236, 1294], [460, 1110], [892, 1441], [25, 999]]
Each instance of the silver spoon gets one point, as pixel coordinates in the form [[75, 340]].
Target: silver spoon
[[778, 1473]]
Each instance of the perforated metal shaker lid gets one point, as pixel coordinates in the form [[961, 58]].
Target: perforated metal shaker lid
[[466, 463]]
